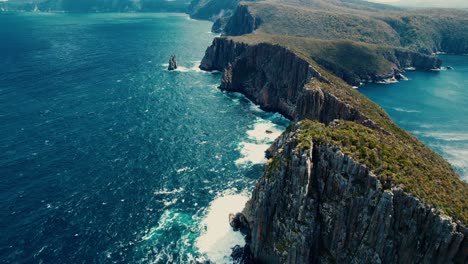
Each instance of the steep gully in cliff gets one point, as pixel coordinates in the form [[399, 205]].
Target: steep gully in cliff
[[317, 204]]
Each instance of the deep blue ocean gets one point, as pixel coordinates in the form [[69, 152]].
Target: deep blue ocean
[[107, 157], [433, 106]]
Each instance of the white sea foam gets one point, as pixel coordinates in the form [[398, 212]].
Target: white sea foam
[[185, 69], [164, 221], [196, 67], [182, 69], [399, 109], [264, 131], [193, 68], [444, 136], [259, 139], [166, 191], [183, 169], [217, 237], [169, 202], [252, 153], [458, 157], [424, 125], [255, 108], [388, 81]]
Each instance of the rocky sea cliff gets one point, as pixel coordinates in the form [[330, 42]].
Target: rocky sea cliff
[[315, 202]]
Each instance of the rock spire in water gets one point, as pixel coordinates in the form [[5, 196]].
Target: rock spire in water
[[172, 63]]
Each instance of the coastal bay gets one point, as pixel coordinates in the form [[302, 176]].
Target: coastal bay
[[431, 105]]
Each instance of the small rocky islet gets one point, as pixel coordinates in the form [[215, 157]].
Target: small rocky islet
[[172, 63]]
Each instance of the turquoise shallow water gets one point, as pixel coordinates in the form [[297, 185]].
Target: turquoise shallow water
[[105, 156], [433, 106]]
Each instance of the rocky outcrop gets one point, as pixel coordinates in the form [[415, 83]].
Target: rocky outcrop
[[401, 59], [276, 78], [245, 20], [238, 222], [212, 9], [453, 44], [224, 51], [218, 25], [317, 205], [397, 61], [406, 58], [172, 63], [241, 22], [242, 255], [221, 52]]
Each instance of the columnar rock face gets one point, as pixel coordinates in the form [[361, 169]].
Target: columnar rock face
[[242, 22], [316, 205], [224, 51], [401, 59], [398, 60], [406, 58], [275, 78]]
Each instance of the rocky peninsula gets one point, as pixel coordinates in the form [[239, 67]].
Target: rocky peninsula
[[343, 184], [324, 200]]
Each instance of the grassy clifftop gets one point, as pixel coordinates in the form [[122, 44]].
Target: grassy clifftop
[[396, 161], [431, 29], [290, 20], [350, 60], [347, 41], [395, 156], [340, 5], [426, 31], [356, 40], [343, 57]]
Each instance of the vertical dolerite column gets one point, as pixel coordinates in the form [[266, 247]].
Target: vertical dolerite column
[[314, 204]]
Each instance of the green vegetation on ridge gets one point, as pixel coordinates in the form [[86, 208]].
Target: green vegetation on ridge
[[351, 61], [431, 30], [410, 165], [421, 30], [393, 155], [289, 20]]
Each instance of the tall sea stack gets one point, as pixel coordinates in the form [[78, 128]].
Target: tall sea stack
[[172, 63]]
